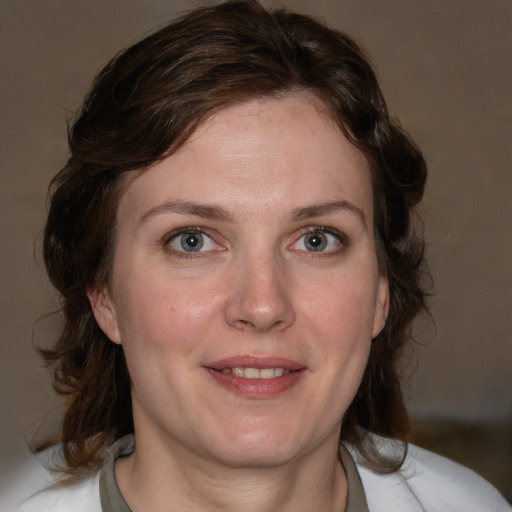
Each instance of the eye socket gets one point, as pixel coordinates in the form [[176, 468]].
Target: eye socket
[[189, 241], [320, 241]]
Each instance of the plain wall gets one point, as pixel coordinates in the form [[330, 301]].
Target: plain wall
[[445, 67]]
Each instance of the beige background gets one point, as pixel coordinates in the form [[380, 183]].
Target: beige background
[[445, 67]]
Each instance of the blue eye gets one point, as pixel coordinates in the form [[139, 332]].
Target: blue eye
[[315, 242], [318, 240], [191, 241]]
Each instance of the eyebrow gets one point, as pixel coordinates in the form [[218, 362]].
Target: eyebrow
[[219, 213], [318, 210], [188, 208]]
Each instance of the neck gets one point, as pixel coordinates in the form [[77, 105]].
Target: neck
[[313, 482]]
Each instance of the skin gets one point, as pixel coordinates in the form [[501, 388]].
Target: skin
[[254, 289]]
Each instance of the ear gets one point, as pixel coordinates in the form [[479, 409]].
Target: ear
[[105, 313], [381, 306]]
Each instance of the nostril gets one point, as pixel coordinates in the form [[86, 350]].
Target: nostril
[[247, 325], [244, 324], [256, 304]]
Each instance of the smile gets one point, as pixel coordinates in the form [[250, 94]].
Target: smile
[[255, 373], [256, 377]]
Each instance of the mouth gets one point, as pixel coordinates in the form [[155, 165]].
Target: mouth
[[253, 377], [255, 373]]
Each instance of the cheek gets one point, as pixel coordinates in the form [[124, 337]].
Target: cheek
[[156, 315], [340, 325], [341, 321], [344, 306]]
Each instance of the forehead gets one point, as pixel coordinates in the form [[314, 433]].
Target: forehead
[[270, 152]]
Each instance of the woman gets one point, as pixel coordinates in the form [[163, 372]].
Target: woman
[[231, 238]]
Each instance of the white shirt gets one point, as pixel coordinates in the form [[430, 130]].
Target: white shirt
[[426, 483]]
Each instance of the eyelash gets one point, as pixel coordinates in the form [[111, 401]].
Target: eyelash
[[169, 238], [341, 238], [310, 230]]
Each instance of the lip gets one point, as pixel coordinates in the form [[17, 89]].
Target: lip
[[256, 388], [255, 362]]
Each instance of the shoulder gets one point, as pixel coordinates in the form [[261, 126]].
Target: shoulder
[[446, 485], [33, 488], [430, 482], [63, 497]]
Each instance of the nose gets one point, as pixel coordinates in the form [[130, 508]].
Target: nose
[[260, 296]]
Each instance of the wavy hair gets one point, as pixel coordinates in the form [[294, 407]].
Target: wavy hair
[[142, 107]]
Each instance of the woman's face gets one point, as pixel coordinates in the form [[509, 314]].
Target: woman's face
[[245, 288]]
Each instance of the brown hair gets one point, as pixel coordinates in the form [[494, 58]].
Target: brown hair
[[143, 106]]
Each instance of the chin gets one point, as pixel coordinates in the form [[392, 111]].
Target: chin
[[247, 455], [271, 446]]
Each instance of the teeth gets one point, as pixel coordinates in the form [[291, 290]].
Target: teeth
[[252, 373], [255, 373], [239, 372], [266, 373]]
